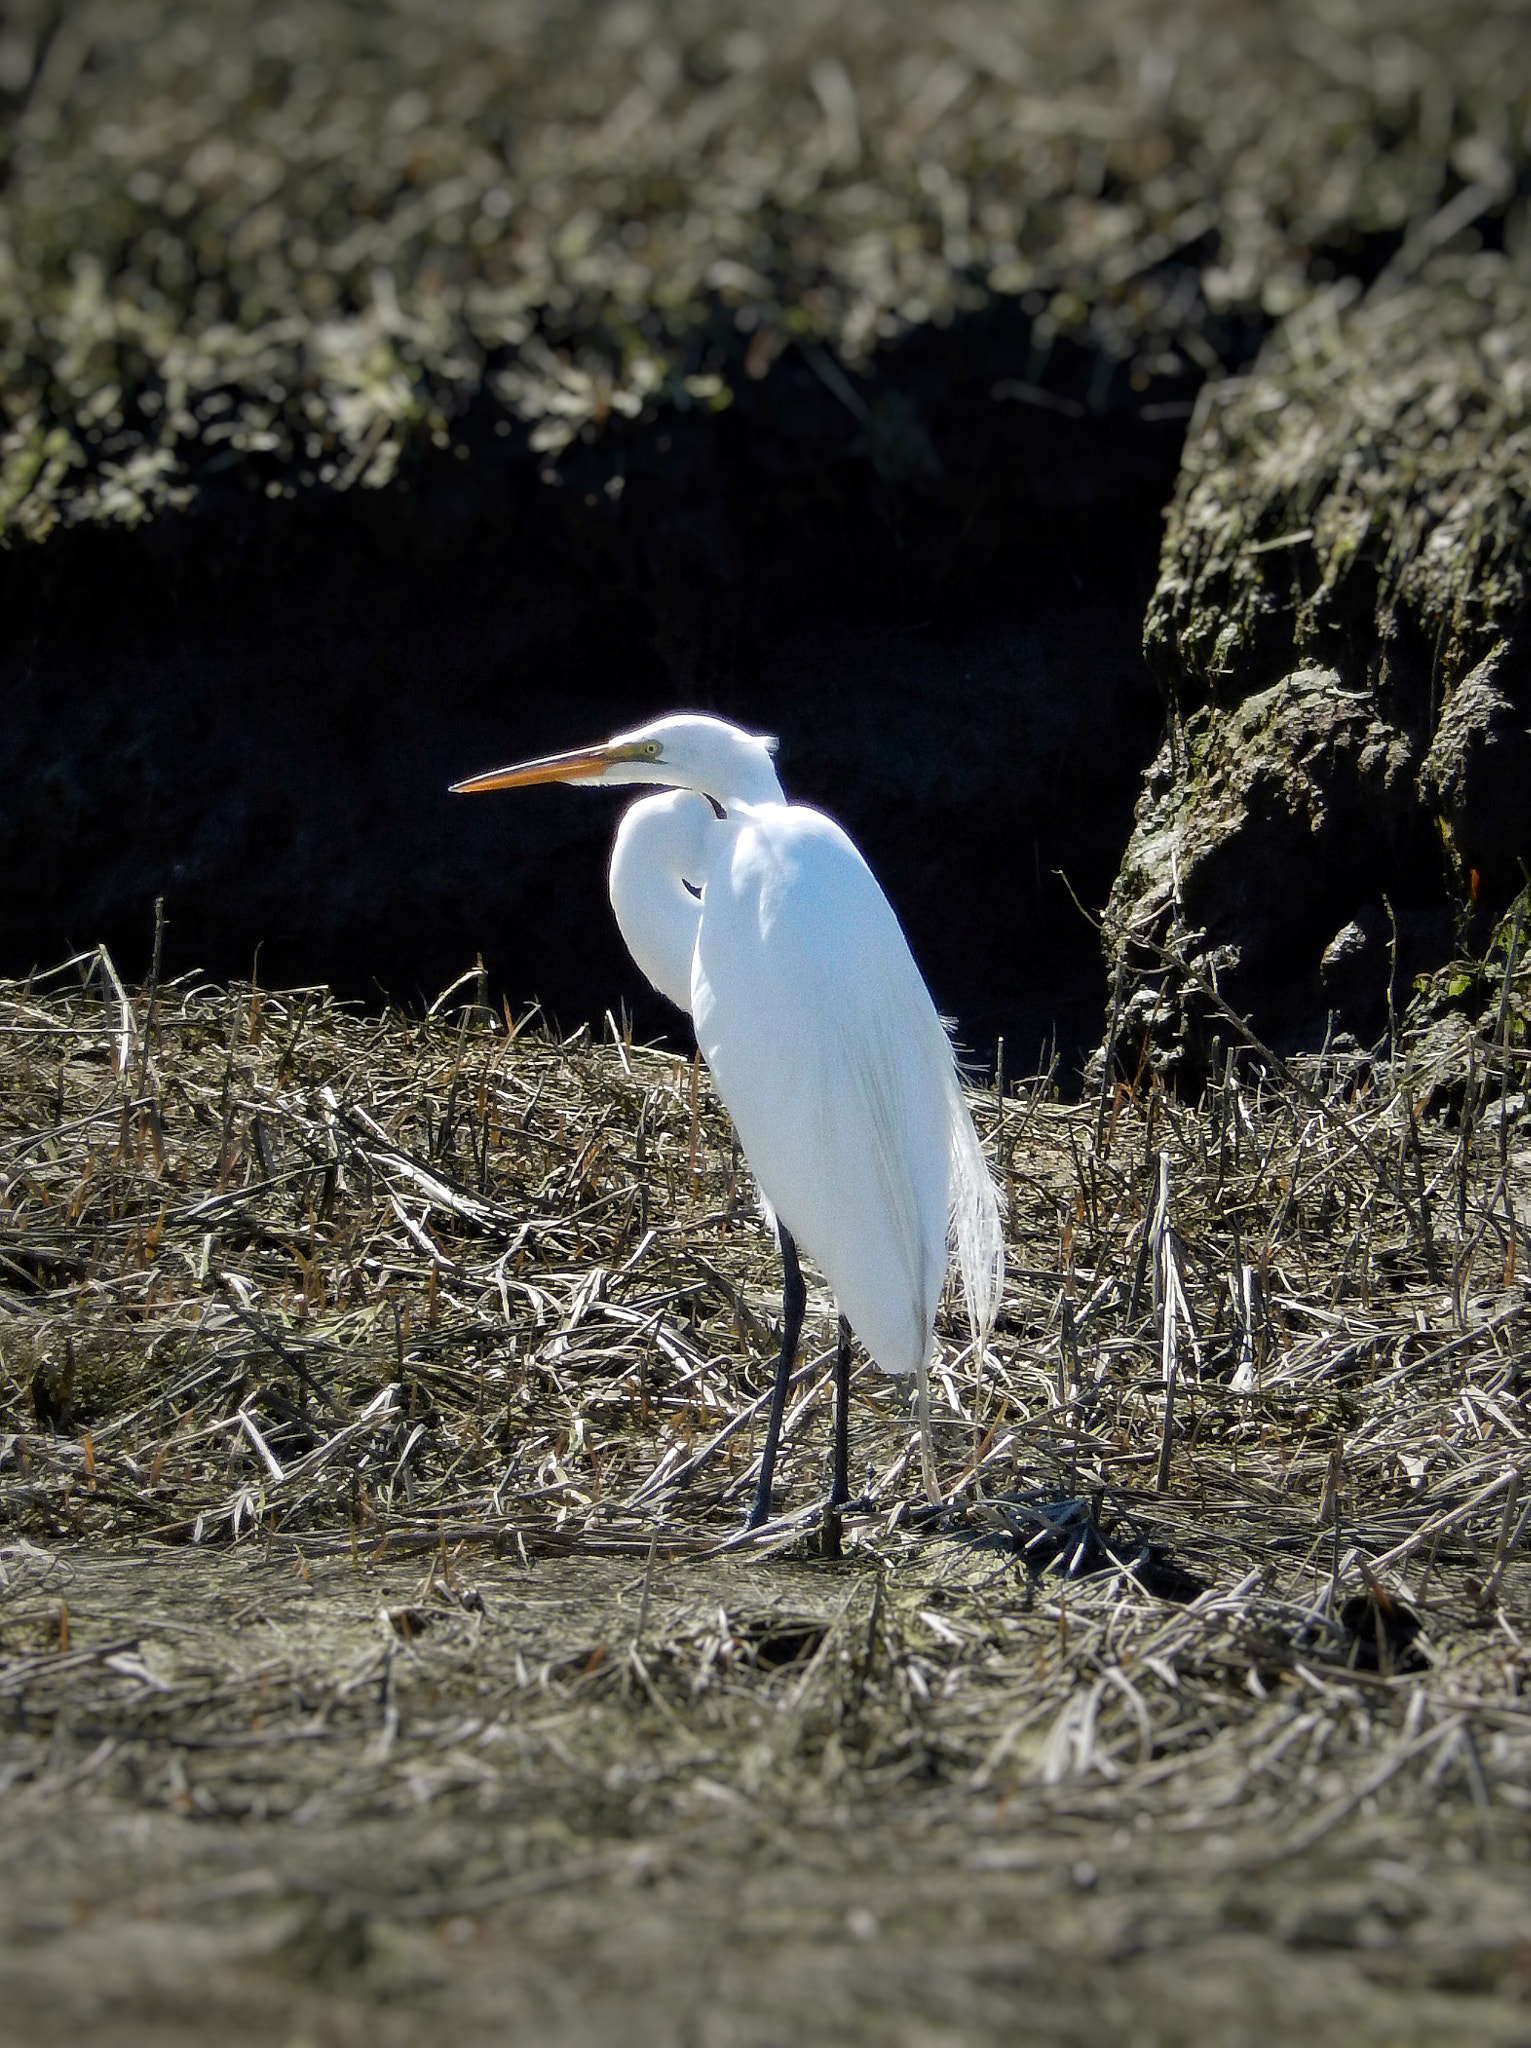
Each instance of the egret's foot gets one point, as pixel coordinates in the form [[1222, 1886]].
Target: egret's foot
[[835, 1511], [759, 1514]]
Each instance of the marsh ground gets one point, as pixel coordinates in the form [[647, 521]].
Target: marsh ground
[[379, 1658]]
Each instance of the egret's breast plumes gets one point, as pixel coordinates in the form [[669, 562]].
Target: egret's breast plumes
[[661, 846]]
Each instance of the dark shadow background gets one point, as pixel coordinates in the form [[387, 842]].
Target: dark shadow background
[[934, 596]]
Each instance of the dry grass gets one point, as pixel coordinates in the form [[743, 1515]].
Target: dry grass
[[436, 1349]]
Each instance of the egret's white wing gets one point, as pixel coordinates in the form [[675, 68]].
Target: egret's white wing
[[828, 1052]]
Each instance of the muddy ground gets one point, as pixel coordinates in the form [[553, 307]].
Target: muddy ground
[[274, 1819], [381, 1657]]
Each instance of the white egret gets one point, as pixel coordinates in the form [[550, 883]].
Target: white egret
[[761, 919]]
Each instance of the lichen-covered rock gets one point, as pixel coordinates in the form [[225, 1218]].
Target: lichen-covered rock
[[1274, 828], [1361, 500], [1340, 630], [1477, 774]]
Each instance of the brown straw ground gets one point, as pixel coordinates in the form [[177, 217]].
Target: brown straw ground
[[382, 1656]]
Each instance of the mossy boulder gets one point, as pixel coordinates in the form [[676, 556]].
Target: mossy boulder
[[1340, 631]]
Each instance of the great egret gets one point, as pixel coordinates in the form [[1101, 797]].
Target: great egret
[[761, 919]]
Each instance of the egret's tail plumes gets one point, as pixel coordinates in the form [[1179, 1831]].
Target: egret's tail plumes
[[976, 1233]]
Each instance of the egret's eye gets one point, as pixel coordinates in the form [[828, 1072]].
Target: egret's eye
[[652, 749]]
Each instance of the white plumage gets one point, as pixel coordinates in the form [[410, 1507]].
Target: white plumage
[[762, 919]]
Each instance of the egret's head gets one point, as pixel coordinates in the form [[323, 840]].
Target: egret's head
[[684, 751]]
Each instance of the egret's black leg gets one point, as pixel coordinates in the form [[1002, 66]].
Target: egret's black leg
[[840, 1459], [840, 1473], [794, 1299]]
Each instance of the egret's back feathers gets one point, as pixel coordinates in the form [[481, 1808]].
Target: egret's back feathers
[[827, 1050]]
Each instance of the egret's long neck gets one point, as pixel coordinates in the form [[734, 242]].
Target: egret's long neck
[[749, 777], [662, 843]]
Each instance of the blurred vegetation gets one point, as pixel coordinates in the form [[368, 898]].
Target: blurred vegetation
[[293, 238]]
